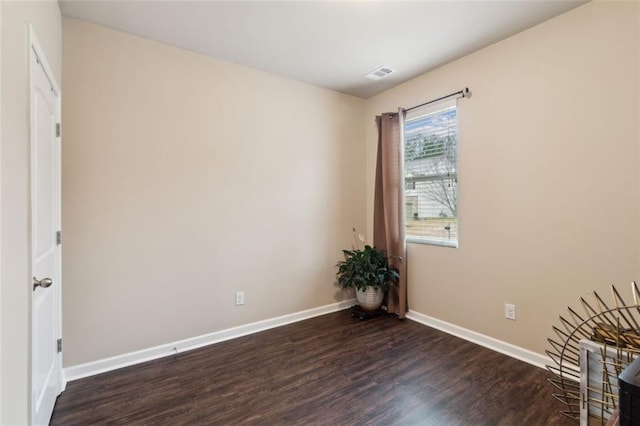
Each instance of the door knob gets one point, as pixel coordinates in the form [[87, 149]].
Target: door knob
[[44, 283]]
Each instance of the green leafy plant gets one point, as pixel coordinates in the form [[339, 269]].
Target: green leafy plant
[[367, 267]]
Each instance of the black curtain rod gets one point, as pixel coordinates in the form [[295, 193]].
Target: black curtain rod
[[465, 93]]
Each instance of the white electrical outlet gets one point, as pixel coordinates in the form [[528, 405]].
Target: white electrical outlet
[[239, 298], [510, 311]]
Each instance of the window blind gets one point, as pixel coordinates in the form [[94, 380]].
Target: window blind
[[431, 174]]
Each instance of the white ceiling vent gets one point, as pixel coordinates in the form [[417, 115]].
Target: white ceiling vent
[[379, 73]]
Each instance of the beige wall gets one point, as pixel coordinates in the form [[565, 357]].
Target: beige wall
[[187, 178], [15, 293], [548, 174], [179, 186]]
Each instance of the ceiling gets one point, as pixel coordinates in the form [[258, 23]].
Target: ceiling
[[331, 44]]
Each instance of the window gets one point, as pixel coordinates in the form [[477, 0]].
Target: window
[[431, 174]]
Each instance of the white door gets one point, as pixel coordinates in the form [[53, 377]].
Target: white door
[[45, 222]]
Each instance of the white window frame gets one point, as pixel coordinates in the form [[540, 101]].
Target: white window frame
[[418, 114]]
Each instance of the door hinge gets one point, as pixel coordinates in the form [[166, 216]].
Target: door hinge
[[59, 237], [59, 345], [58, 130]]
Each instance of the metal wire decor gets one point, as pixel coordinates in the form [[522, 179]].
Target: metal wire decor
[[616, 327]]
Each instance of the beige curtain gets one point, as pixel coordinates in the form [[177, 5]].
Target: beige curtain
[[388, 210]]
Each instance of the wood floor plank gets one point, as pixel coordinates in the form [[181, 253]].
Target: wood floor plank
[[329, 370]]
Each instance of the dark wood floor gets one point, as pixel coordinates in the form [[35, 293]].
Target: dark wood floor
[[329, 370]]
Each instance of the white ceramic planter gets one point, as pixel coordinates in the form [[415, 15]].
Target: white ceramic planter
[[369, 299]]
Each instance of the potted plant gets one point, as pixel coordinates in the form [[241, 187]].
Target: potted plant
[[368, 272]]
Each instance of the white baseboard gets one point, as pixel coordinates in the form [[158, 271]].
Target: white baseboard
[[108, 364], [513, 351], [113, 363]]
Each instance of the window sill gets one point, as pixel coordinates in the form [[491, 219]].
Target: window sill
[[432, 242]]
